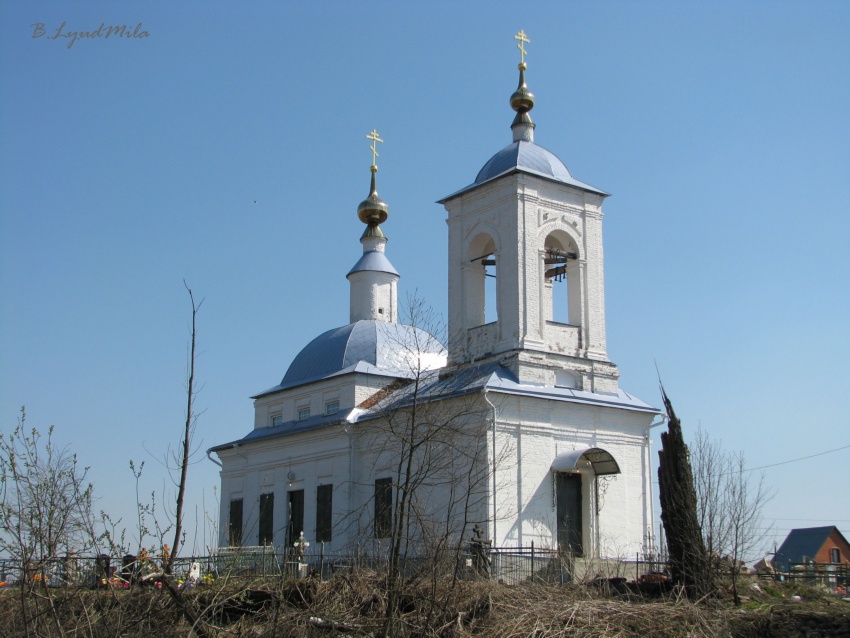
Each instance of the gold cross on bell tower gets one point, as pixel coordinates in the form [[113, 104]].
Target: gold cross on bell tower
[[374, 147], [523, 40]]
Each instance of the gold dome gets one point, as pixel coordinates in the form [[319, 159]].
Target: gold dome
[[373, 210], [522, 100]]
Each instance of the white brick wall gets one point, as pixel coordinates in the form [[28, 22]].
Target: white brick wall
[[535, 431]]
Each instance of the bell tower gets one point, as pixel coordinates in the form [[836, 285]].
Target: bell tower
[[526, 284]]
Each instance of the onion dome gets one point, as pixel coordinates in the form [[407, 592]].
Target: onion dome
[[522, 100], [373, 211]]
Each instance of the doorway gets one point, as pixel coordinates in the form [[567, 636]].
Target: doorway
[[568, 510]]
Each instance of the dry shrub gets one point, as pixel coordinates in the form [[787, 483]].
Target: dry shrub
[[553, 612], [83, 612], [355, 605]]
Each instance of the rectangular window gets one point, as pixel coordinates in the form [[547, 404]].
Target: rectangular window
[[266, 536], [383, 507], [234, 534], [295, 526], [303, 413], [324, 512], [834, 556], [277, 420], [331, 407]]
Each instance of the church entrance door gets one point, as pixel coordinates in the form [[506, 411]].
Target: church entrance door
[[568, 510]]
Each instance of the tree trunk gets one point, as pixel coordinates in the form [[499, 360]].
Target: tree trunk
[[185, 448]]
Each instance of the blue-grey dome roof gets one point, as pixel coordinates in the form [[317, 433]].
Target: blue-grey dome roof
[[374, 261], [375, 347], [526, 157]]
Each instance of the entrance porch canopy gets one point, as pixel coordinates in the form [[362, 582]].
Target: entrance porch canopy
[[601, 461]]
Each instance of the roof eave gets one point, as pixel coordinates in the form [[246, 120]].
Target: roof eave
[[516, 169]]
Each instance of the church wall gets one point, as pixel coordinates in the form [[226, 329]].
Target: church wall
[[316, 396], [450, 497], [367, 385], [535, 431], [300, 461]]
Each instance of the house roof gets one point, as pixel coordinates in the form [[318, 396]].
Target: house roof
[[802, 544]]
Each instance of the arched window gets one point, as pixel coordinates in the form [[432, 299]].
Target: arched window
[[481, 281], [561, 286]]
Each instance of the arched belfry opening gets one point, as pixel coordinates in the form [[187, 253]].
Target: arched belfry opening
[[561, 298], [481, 274]]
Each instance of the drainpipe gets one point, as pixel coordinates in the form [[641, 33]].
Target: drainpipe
[[493, 538], [648, 477], [211, 458], [347, 429]]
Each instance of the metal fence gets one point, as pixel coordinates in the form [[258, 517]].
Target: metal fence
[[832, 575], [510, 565]]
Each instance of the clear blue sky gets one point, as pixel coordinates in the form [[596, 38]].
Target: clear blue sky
[[227, 149]]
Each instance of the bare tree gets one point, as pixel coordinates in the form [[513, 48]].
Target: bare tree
[[730, 500], [181, 459], [184, 453], [45, 510], [432, 437]]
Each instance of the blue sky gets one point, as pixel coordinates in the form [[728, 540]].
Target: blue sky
[[227, 149]]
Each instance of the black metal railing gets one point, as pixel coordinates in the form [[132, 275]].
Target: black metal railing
[[832, 575], [505, 564]]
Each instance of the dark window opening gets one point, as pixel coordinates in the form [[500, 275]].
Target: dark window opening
[[296, 517], [266, 536], [324, 513], [234, 534], [383, 507], [834, 556]]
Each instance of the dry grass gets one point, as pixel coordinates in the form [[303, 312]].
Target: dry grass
[[355, 605]]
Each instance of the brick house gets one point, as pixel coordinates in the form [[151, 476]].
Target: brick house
[[821, 545]]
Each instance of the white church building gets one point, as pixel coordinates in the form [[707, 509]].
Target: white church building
[[517, 425]]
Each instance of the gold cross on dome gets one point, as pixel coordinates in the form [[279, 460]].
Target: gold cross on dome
[[523, 40], [374, 147]]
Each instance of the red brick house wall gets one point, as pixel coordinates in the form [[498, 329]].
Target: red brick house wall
[[835, 541]]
